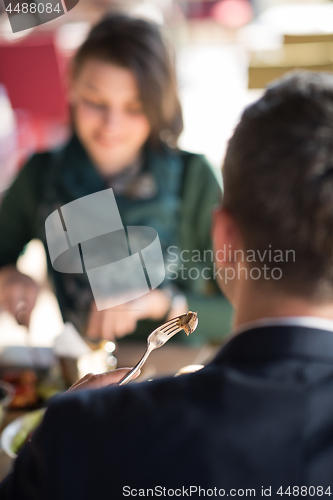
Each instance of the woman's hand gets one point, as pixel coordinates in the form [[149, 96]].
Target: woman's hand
[[91, 381], [122, 320], [18, 293]]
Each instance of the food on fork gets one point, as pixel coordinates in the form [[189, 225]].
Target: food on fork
[[188, 322], [161, 335]]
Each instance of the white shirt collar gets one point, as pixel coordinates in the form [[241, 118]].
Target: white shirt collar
[[303, 321]]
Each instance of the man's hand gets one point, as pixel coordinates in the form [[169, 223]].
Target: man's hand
[[18, 293], [91, 381], [121, 320]]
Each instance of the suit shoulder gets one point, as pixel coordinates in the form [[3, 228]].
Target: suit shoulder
[[121, 403]]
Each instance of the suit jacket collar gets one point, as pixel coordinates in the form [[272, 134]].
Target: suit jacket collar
[[278, 342]]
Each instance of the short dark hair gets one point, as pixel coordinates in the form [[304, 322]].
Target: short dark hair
[[138, 45], [278, 180]]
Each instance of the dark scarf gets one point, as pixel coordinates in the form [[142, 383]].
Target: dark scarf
[[147, 194]]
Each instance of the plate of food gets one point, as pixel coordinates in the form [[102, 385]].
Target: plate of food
[[18, 432], [34, 373], [32, 388]]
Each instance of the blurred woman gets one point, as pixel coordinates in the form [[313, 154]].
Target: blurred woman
[[126, 121]]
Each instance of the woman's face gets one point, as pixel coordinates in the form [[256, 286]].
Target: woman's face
[[108, 115]]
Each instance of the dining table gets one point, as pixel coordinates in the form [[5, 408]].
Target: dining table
[[166, 361]]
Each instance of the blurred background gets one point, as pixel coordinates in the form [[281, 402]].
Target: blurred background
[[226, 52]]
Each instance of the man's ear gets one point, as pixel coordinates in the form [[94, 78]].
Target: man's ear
[[225, 236]]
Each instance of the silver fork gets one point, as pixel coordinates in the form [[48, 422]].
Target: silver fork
[[156, 339]]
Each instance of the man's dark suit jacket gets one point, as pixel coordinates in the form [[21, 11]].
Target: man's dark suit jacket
[[260, 415]]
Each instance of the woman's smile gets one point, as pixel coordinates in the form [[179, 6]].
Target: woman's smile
[[108, 142]]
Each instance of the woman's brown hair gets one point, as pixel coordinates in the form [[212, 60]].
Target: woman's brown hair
[[137, 45]]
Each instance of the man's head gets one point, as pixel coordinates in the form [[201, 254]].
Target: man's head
[[278, 188]]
